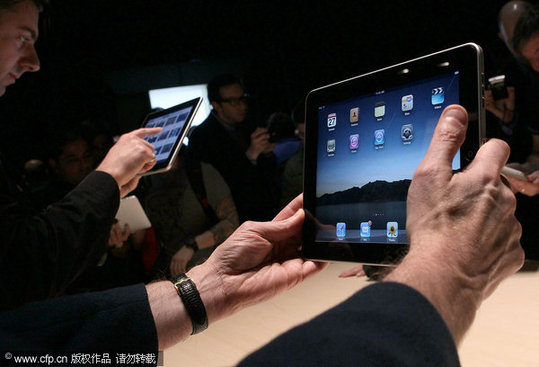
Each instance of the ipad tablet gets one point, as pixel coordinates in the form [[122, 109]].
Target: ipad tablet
[[131, 212], [175, 122], [365, 137]]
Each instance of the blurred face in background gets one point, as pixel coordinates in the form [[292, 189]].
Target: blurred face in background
[[232, 108], [18, 33], [530, 52], [74, 163]]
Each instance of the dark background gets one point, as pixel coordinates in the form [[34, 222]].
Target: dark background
[[100, 57]]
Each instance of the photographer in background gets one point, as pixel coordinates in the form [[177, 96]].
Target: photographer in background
[[240, 152], [512, 99], [513, 87]]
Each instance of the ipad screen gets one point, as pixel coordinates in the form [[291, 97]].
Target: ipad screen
[[368, 149]]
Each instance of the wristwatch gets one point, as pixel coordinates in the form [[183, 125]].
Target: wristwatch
[[190, 297], [191, 243]]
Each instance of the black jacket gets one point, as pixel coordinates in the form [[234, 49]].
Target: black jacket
[[387, 324]]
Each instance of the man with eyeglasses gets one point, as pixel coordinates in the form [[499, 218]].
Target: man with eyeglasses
[[240, 154]]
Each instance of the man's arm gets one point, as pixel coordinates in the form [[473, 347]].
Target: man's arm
[[257, 262], [117, 320], [41, 253], [462, 229]]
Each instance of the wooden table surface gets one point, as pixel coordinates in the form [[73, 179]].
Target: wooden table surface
[[505, 331]]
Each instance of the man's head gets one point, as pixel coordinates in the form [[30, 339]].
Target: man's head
[[526, 38], [228, 99], [18, 33], [508, 17], [70, 157]]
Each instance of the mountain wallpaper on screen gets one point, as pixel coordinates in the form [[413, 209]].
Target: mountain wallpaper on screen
[[377, 191]]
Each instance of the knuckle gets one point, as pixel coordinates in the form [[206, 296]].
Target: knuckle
[[451, 134], [248, 225], [426, 170]]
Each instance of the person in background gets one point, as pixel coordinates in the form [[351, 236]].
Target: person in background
[[513, 112], [241, 154], [69, 160], [526, 45], [192, 212], [100, 137], [292, 176]]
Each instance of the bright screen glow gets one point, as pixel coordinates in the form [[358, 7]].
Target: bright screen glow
[[168, 97]]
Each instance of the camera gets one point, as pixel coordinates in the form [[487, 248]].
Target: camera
[[498, 87], [280, 126]]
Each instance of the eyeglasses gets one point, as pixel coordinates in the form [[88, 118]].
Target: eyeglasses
[[236, 101]]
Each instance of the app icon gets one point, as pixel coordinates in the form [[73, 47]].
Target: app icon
[[379, 137], [354, 141], [354, 114], [392, 229], [332, 120], [365, 229], [437, 96], [407, 103], [407, 132], [331, 146], [379, 109], [341, 230]]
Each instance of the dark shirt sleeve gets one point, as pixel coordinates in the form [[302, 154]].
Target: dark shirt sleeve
[[114, 321], [386, 324], [41, 252]]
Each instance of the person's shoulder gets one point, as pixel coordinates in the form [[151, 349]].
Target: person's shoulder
[[209, 123], [214, 182], [210, 172], [205, 130]]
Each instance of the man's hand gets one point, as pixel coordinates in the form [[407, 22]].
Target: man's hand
[[529, 187], [118, 235], [130, 156], [464, 237], [259, 143], [178, 263], [258, 261], [356, 271], [504, 108]]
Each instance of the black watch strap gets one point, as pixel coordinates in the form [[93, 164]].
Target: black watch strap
[[190, 297], [191, 243]]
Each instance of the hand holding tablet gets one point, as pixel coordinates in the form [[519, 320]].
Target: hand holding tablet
[[365, 137], [175, 123]]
